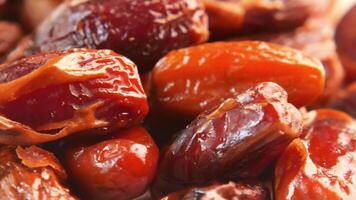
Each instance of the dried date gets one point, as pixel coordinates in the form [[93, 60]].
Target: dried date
[[239, 138], [143, 32], [49, 96], [322, 164], [120, 167]]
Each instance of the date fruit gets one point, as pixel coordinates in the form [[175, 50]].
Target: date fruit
[[31, 173], [228, 191], [141, 31], [49, 96], [232, 17], [346, 42], [322, 164], [10, 35], [315, 38], [192, 80], [120, 167], [238, 138]]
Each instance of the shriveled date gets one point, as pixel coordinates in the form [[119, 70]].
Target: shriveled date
[[49, 96], [239, 138], [120, 167], [322, 164], [192, 80], [141, 30], [227, 191], [31, 173]]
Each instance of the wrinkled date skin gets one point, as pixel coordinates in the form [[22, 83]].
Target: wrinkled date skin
[[192, 80], [346, 42], [346, 100], [315, 38], [232, 17], [228, 191], [10, 35], [143, 32], [31, 173], [49, 96], [120, 167], [239, 138], [322, 164]]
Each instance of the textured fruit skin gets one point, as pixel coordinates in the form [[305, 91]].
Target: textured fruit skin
[[346, 42], [143, 32], [346, 100], [192, 80], [81, 90], [31, 173], [315, 38], [236, 17], [120, 167], [239, 138], [322, 164], [227, 191]]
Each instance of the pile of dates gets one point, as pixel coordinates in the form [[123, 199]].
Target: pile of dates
[[177, 99]]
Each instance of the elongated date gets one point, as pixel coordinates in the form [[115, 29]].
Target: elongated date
[[141, 31], [120, 167], [322, 164], [31, 173], [49, 96], [192, 80], [239, 138], [227, 191]]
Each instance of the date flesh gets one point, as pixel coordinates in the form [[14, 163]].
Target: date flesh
[[315, 38], [143, 32], [322, 164], [49, 96], [189, 81], [120, 167], [233, 17], [31, 173], [227, 191], [239, 138], [346, 42]]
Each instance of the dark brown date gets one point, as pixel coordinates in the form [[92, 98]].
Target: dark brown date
[[239, 138], [31, 173], [141, 31], [322, 164], [346, 42], [228, 191]]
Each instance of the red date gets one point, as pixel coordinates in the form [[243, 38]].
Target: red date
[[143, 32], [31, 173], [120, 167], [322, 164], [228, 191], [239, 138], [49, 96]]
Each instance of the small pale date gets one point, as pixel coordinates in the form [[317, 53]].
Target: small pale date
[[322, 164], [49, 96], [141, 31], [31, 173], [120, 167], [238, 138]]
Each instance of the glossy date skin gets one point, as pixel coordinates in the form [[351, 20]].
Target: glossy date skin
[[315, 38], [227, 191], [120, 167], [239, 138], [143, 32], [235, 17], [192, 80], [322, 164], [346, 42], [49, 96], [31, 173]]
